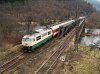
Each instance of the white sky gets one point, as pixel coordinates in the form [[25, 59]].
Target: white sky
[[98, 0]]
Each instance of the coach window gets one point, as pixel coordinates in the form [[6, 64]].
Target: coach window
[[49, 32], [38, 38]]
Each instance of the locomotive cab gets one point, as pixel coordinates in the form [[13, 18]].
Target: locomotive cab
[[27, 42]]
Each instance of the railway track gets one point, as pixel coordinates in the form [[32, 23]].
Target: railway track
[[48, 63], [11, 62], [8, 64]]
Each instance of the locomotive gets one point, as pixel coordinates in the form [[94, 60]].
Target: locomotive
[[40, 36], [32, 41]]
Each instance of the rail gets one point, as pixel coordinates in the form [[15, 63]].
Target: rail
[[53, 57], [10, 63]]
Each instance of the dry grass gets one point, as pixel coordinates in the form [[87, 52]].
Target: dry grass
[[83, 62], [8, 52]]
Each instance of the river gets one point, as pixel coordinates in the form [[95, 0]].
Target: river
[[91, 40]]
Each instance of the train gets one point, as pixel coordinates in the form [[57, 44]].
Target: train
[[40, 36]]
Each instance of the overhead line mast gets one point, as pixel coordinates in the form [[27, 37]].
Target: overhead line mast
[[77, 26]]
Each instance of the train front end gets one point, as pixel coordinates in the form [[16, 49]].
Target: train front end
[[27, 43]]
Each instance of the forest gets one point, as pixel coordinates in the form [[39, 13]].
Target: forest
[[42, 11], [94, 19]]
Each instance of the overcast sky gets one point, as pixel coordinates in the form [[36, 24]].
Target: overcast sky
[[98, 0]]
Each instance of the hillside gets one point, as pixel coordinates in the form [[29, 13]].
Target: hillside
[[94, 19], [43, 11]]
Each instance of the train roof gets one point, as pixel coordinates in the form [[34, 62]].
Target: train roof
[[67, 23], [63, 24], [31, 35], [55, 27], [42, 30], [37, 33]]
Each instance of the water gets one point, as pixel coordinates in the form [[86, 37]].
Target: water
[[91, 40]]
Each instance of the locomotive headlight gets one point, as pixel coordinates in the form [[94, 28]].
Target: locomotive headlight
[[26, 44]]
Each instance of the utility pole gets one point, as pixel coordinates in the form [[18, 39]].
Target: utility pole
[[77, 26], [29, 20]]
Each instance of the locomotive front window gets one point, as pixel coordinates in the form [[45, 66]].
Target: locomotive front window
[[27, 40]]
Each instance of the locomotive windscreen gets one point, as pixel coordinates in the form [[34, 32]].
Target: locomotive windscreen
[[27, 39]]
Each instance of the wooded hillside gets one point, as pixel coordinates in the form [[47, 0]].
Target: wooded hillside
[[43, 11], [94, 21]]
